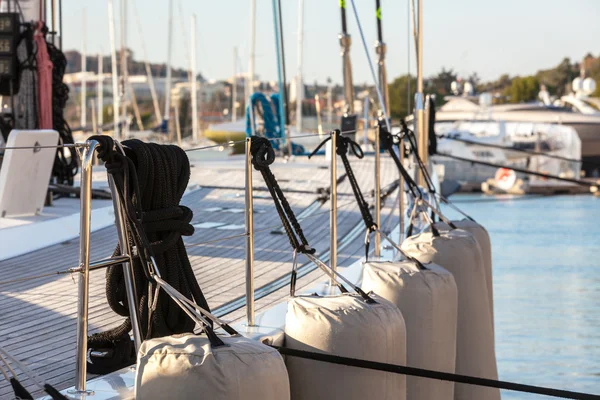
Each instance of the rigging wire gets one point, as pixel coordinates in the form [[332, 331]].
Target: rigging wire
[[511, 148], [375, 80]]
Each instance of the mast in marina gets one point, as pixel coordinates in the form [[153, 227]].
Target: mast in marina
[[114, 72], [193, 73], [100, 92], [234, 88], [165, 126], [281, 73], [380, 48], [157, 113], [419, 106], [250, 80], [345, 42], [124, 73], [299, 81], [83, 73], [329, 102]]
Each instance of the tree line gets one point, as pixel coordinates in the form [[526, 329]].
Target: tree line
[[516, 89]]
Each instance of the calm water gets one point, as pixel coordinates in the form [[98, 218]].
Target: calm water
[[546, 289]]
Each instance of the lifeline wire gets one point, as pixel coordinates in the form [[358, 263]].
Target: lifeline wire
[[71, 270], [430, 374], [522, 170], [526, 151]]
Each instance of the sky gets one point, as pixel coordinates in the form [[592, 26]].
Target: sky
[[490, 37]]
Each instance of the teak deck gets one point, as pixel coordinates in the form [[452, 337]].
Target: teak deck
[[38, 317]]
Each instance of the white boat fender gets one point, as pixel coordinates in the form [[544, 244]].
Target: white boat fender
[[428, 299], [347, 325], [188, 366], [458, 252], [481, 235]]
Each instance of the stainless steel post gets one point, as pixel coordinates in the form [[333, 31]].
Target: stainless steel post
[[419, 95], [426, 112], [333, 207], [127, 267], [419, 129], [401, 194], [249, 237], [84, 262], [377, 191]]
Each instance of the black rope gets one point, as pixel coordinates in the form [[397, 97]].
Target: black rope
[[65, 168], [522, 170], [412, 140], [386, 140], [443, 376], [343, 145], [263, 156], [151, 180]]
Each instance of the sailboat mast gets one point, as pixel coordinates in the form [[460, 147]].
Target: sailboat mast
[[422, 135], [168, 80], [250, 81], [234, 87], [83, 73], [193, 73], [280, 73], [286, 98], [100, 92], [380, 48], [345, 42], [300, 82], [124, 74], [157, 113], [114, 72]]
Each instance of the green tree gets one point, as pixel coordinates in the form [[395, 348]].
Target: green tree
[[524, 89], [399, 96], [559, 78]]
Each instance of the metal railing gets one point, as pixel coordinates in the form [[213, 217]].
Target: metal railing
[[126, 256], [85, 266]]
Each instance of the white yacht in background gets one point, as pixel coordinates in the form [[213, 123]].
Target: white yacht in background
[[475, 140], [575, 111]]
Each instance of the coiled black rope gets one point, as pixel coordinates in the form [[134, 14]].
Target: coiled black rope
[[151, 180], [444, 376], [65, 167]]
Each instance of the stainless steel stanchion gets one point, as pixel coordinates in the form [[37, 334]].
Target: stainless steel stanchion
[[249, 213], [377, 191], [333, 206], [84, 261], [401, 194], [127, 266]]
